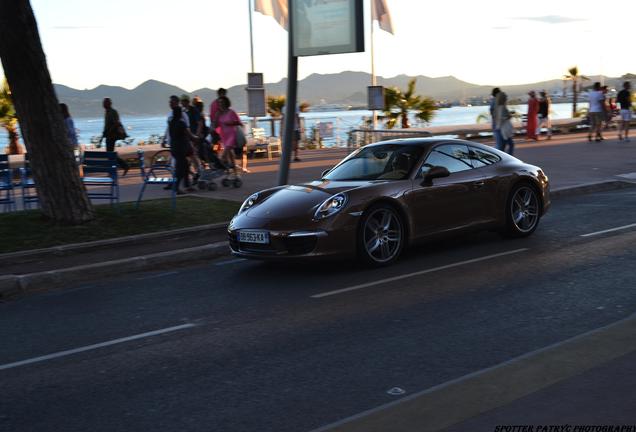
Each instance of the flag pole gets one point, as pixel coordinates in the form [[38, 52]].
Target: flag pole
[[249, 7], [373, 79], [254, 123]]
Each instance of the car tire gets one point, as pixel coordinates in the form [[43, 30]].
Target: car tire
[[381, 235], [523, 211]]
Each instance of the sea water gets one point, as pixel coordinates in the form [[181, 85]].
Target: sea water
[[141, 128]]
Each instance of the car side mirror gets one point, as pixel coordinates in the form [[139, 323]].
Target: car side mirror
[[433, 173], [324, 173]]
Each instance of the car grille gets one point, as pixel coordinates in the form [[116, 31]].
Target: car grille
[[300, 245]]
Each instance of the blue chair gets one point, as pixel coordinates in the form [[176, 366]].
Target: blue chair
[[29, 190], [7, 195], [100, 175], [159, 173]]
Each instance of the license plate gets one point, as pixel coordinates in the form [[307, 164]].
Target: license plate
[[247, 236]]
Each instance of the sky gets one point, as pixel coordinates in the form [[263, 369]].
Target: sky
[[206, 43]]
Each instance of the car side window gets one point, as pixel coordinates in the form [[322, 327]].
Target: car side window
[[481, 158], [453, 157]]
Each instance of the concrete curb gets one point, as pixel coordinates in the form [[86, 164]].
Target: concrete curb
[[12, 285]]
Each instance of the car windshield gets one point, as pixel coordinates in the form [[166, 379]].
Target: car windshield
[[377, 162]]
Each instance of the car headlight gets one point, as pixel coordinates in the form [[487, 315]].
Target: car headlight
[[331, 206], [249, 202]]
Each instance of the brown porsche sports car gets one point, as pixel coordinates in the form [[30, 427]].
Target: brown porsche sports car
[[385, 196]]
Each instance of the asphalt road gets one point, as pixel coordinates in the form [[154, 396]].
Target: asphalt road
[[237, 345]]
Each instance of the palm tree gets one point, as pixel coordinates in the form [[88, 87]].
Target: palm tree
[[573, 75], [275, 105], [398, 105], [9, 119], [60, 190]]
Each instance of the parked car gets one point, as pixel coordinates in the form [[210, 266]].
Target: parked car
[[387, 195]]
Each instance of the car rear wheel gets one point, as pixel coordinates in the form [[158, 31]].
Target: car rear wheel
[[522, 211], [381, 236]]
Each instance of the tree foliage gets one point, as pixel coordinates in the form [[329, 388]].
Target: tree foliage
[[9, 119], [275, 105], [573, 75], [398, 104]]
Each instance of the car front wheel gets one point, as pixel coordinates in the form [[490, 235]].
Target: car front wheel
[[381, 235], [522, 211]]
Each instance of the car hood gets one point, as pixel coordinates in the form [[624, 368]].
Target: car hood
[[300, 200]]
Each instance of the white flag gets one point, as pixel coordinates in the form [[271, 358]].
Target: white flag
[[381, 14], [277, 9]]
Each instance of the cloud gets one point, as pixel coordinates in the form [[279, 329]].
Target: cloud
[[502, 28], [551, 19]]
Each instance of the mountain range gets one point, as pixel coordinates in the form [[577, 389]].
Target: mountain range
[[345, 88]]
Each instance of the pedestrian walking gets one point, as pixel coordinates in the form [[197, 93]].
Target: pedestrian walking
[[503, 123], [167, 142], [544, 114], [495, 131], [180, 136], [215, 130], [296, 134], [533, 111], [624, 101], [228, 121], [194, 116], [113, 131], [596, 100], [71, 133]]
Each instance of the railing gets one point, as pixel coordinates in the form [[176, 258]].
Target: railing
[[362, 137]]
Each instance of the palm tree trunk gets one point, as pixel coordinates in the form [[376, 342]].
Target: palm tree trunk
[[61, 191], [405, 120], [575, 95], [14, 144]]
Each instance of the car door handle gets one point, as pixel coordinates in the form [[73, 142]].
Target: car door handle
[[478, 184]]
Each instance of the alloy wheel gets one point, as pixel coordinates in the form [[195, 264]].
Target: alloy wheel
[[524, 208], [382, 235]]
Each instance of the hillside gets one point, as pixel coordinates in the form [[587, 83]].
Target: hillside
[[348, 88]]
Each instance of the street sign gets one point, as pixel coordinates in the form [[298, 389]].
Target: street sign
[[327, 27], [256, 106], [375, 98], [254, 80]]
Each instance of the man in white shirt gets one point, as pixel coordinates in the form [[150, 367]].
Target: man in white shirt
[[596, 111]]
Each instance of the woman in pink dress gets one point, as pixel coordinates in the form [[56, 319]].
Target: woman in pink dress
[[227, 120], [533, 111]]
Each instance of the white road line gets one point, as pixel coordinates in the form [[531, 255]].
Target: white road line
[[234, 261], [418, 273], [157, 275], [609, 230], [94, 346]]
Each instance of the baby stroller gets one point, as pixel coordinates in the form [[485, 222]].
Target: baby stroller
[[215, 169]]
